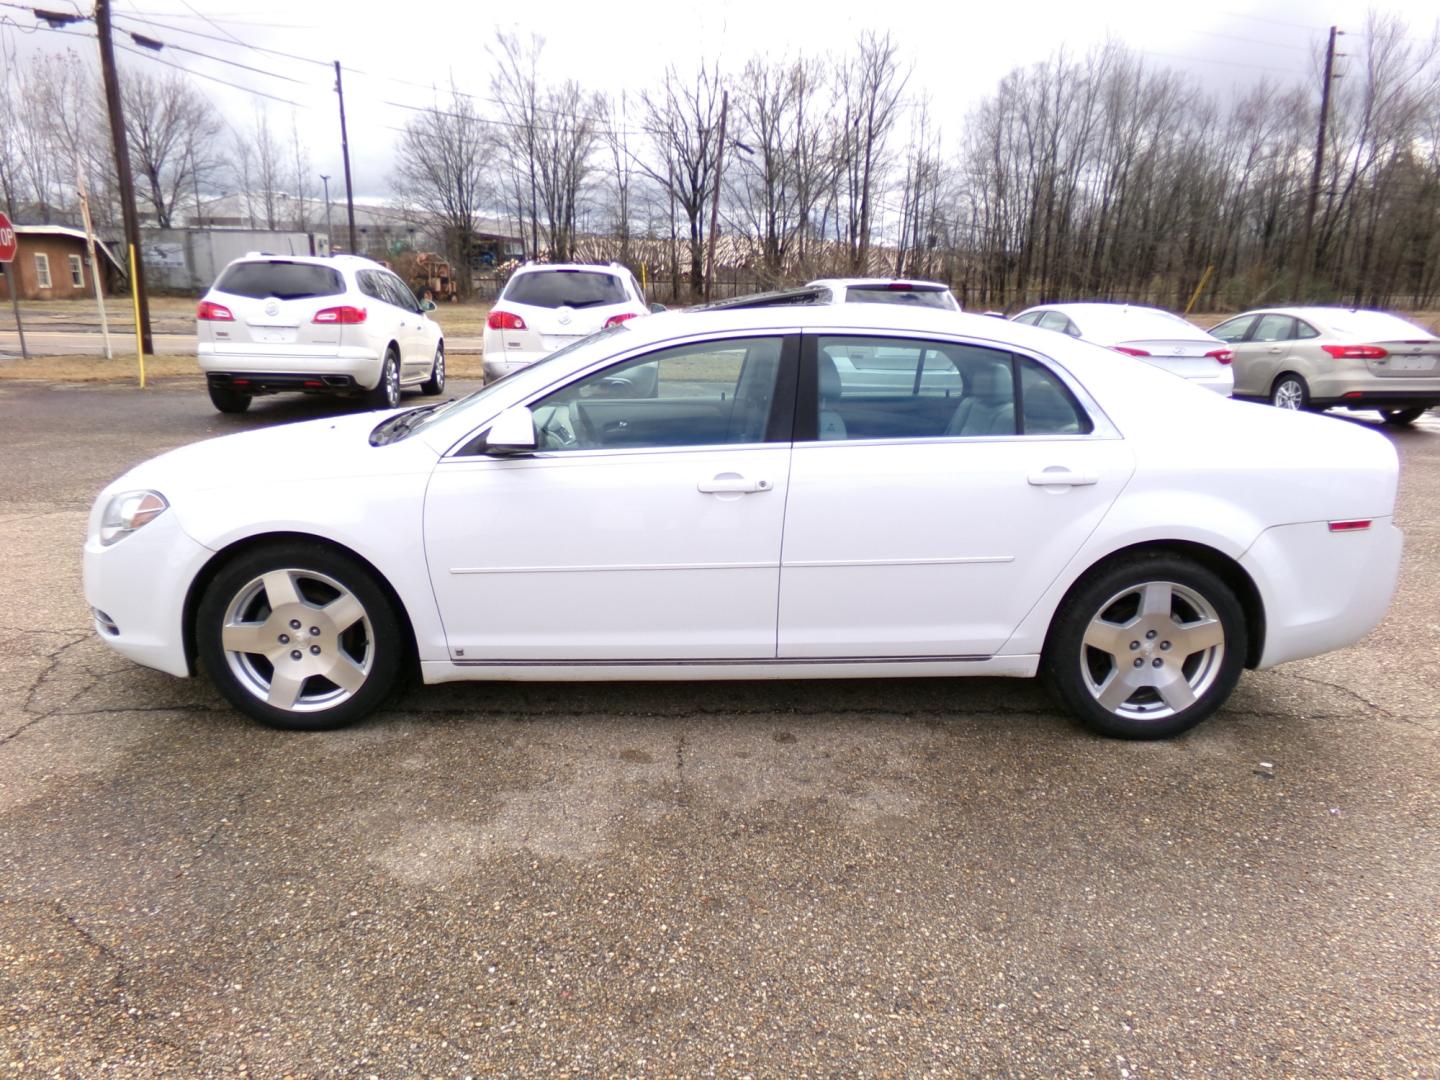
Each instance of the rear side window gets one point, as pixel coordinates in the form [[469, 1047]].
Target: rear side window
[[282, 280], [565, 288], [909, 296]]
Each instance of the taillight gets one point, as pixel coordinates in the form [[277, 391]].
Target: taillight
[[616, 320], [208, 312], [1223, 355], [344, 315], [1129, 351], [1356, 352], [505, 320]]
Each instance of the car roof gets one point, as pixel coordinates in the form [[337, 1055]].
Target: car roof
[[1097, 307], [344, 262], [535, 268]]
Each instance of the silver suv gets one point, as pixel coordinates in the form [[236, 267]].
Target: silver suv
[[341, 325]]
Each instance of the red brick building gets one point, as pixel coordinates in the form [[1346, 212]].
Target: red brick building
[[51, 263]]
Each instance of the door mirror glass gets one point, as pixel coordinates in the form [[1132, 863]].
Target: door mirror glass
[[513, 432]]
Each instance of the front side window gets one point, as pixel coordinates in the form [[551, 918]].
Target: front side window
[[77, 272], [701, 394], [1030, 318], [399, 295], [1234, 330], [565, 288], [1053, 320], [42, 270], [889, 388]]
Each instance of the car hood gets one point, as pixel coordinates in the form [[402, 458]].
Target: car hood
[[312, 451]]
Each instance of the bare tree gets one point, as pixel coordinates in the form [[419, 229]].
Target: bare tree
[[682, 120], [172, 130], [442, 163], [871, 85]]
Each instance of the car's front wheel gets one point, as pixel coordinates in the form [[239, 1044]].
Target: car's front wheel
[[1401, 417], [1146, 648], [228, 400], [436, 383], [299, 636], [386, 394], [1290, 392]]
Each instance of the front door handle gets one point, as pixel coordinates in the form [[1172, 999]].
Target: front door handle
[[733, 483], [1058, 476]]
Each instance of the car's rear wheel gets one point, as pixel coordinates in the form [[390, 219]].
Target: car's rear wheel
[[1290, 392], [1401, 417], [436, 383], [386, 394], [229, 401], [299, 636], [1147, 648]]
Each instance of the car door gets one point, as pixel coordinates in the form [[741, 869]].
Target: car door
[[645, 527], [1264, 354], [411, 332], [926, 522]]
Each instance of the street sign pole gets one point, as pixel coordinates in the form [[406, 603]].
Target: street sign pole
[[8, 246]]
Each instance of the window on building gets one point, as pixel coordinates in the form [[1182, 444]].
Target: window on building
[[42, 270], [77, 272]]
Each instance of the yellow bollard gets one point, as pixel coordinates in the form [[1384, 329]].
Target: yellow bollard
[[139, 338]]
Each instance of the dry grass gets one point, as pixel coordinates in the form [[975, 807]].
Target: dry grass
[[83, 369]]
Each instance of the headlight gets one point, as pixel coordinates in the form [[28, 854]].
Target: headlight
[[128, 511]]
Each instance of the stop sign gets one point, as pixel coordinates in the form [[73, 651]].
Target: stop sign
[[7, 239]]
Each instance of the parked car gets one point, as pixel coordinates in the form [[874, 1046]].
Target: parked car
[[1159, 338], [337, 325], [545, 307], [906, 292], [1319, 357], [1034, 512]]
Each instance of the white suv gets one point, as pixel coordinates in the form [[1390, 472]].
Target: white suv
[[547, 306], [908, 292], [340, 325]]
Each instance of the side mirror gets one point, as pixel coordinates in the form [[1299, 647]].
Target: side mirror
[[513, 432], [655, 309]]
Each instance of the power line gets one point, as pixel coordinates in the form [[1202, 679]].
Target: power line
[[213, 37], [148, 55]]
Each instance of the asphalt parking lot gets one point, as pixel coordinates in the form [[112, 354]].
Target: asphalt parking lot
[[917, 878]]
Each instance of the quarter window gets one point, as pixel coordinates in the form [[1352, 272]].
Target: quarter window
[[42, 270], [705, 394], [77, 272], [1305, 330]]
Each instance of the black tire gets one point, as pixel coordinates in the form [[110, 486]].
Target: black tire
[[436, 383], [363, 651], [1290, 392], [229, 401], [1401, 417], [1108, 604], [386, 394]]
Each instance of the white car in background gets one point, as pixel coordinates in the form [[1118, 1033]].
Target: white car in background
[[750, 513], [1318, 357], [1159, 338], [545, 307], [340, 325], [906, 292]]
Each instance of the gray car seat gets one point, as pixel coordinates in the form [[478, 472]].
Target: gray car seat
[[989, 407], [832, 424]]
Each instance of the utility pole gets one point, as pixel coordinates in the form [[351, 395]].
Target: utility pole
[[715, 203], [345, 151], [1312, 202], [122, 167]]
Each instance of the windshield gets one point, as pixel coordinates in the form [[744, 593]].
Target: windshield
[[469, 401], [913, 295], [565, 288], [1375, 326], [282, 280]]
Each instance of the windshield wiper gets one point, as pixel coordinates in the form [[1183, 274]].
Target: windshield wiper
[[401, 424]]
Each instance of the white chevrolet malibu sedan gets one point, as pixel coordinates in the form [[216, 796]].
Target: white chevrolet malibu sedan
[[703, 495]]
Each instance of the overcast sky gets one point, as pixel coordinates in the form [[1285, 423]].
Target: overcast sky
[[395, 52]]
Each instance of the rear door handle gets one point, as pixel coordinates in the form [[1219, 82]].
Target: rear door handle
[[732, 482], [1055, 476]]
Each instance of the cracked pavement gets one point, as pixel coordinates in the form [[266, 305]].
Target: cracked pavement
[[911, 878]]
